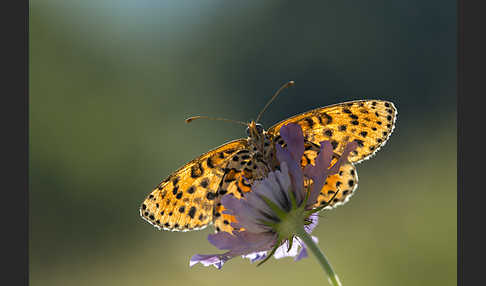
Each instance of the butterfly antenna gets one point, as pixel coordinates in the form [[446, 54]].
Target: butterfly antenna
[[190, 119], [290, 83]]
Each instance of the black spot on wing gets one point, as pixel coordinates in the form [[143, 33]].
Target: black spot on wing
[[192, 212], [210, 196], [197, 170], [327, 117], [210, 163]]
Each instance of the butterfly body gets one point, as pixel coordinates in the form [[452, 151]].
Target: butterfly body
[[190, 198]]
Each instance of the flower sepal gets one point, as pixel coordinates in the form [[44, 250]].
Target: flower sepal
[[289, 223]]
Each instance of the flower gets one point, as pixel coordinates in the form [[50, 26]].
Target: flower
[[278, 211]]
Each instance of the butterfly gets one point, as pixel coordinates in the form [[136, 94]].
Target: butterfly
[[190, 198]]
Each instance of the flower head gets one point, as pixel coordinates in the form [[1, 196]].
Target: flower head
[[270, 217]]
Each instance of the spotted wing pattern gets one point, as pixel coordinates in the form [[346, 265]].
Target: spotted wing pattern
[[369, 122], [185, 200], [242, 170], [344, 183], [346, 180]]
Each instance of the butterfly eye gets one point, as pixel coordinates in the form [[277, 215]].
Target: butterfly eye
[[259, 127]]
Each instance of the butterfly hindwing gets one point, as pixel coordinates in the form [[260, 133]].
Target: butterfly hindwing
[[345, 182], [184, 201], [369, 122], [240, 173]]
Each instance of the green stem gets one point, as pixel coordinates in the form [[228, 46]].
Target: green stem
[[307, 239]]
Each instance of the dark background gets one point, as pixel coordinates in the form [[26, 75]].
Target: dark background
[[111, 83]]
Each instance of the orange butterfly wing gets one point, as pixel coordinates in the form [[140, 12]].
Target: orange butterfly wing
[[369, 122], [185, 200]]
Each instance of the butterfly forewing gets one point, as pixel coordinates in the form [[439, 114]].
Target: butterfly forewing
[[369, 122], [185, 200]]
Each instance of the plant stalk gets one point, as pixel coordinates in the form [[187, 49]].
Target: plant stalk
[[310, 244]]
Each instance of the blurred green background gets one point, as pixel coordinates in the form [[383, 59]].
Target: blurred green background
[[111, 83]]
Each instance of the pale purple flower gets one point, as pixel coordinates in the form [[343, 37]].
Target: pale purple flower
[[262, 212]]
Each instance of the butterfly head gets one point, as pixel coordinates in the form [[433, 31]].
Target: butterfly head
[[254, 130]]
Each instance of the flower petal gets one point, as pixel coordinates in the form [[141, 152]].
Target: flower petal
[[292, 155], [255, 256], [292, 134], [321, 171], [302, 254], [223, 240], [215, 260], [294, 170], [322, 161], [285, 186], [242, 242], [344, 157], [266, 188], [248, 242], [275, 187], [314, 218], [282, 252], [245, 212], [303, 250]]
